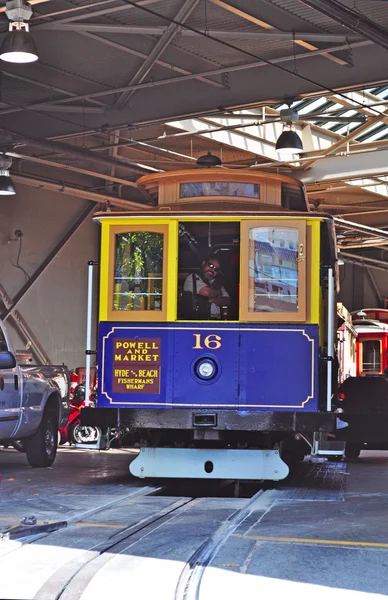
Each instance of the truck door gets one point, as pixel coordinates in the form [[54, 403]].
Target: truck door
[[10, 395]]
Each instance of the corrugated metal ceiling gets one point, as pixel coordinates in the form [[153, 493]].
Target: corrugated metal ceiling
[[309, 15]]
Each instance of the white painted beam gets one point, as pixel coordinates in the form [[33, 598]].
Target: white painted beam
[[344, 168]]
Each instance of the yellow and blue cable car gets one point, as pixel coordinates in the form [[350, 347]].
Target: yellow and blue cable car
[[216, 324]]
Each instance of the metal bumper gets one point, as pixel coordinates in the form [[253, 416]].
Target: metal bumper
[[195, 463], [218, 420]]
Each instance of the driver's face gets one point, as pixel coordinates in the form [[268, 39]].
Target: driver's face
[[211, 268]]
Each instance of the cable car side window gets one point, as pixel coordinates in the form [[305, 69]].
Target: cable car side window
[[138, 271], [274, 274], [371, 356]]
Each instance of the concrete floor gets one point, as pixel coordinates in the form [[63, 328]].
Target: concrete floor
[[298, 541]]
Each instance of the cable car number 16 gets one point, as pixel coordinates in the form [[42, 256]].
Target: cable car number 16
[[212, 341]]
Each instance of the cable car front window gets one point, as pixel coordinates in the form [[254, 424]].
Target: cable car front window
[[219, 188], [273, 269], [138, 271]]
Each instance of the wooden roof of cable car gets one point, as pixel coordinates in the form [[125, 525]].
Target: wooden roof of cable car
[[217, 205], [149, 184]]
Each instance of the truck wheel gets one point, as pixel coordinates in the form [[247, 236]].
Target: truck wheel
[[41, 448], [352, 450]]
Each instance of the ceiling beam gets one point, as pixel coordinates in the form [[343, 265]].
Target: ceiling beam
[[161, 30], [364, 261], [159, 62], [353, 20], [71, 168], [74, 9], [183, 78], [226, 135], [268, 118], [76, 109], [43, 85], [344, 168], [77, 192], [161, 45], [248, 17], [97, 13], [14, 138], [347, 138]]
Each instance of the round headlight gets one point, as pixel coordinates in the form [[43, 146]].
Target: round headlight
[[206, 369]]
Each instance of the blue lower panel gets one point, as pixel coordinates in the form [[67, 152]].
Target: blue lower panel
[[220, 348], [279, 367], [255, 367]]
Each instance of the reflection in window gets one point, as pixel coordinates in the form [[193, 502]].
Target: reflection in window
[[273, 269], [138, 271], [371, 356], [219, 188]]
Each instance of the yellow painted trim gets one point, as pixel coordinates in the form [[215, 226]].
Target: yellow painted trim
[[174, 404], [172, 271], [104, 271], [315, 266], [314, 541], [315, 300], [163, 219]]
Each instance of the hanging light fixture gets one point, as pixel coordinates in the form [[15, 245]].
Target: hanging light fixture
[[209, 160], [7, 187], [289, 141], [18, 45]]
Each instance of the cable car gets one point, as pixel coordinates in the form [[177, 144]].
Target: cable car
[[217, 319], [371, 325]]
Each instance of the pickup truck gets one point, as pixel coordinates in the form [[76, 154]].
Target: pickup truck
[[34, 404]]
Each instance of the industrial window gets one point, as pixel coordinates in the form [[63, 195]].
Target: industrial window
[[371, 356], [219, 188], [274, 277]]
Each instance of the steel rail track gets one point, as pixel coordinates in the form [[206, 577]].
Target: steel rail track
[[189, 583], [71, 580], [31, 537]]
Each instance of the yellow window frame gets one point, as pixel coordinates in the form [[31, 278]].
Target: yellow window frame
[[107, 311]]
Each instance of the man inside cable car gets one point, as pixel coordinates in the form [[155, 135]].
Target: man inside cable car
[[204, 296]]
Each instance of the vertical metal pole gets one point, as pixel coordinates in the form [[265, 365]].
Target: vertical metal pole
[[89, 330], [330, 334]]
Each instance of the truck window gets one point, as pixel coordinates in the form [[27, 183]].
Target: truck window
[[3, 343]]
